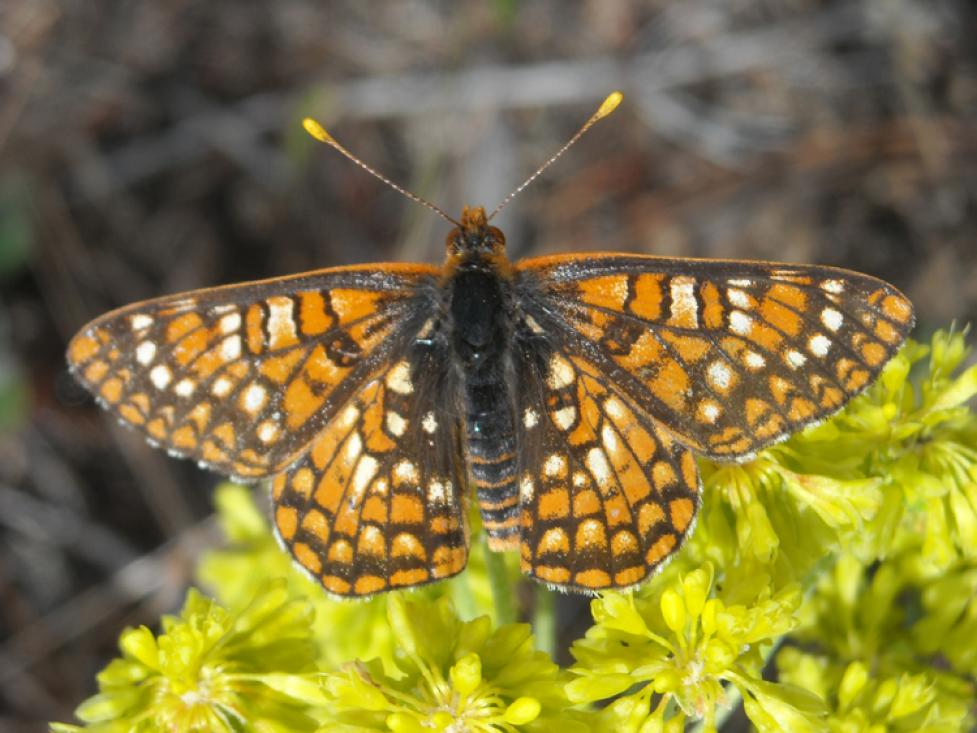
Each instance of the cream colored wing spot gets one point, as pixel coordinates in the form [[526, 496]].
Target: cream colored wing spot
[[740, 323], [836, 287], [254, 398], [560, 372], [230, 348], [160, 375], [685, 309], [146, 352], [832, 319], [819, 345], [396, 424], [399, 379], [222, 386], [140, 322]]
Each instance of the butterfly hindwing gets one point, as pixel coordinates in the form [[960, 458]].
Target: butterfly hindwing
[[606, 494], [731, 356], [377, 503], [243, 377]]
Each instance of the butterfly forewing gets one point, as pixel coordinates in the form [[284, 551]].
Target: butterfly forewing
[[731, 356], [377, 502], [243, 378]]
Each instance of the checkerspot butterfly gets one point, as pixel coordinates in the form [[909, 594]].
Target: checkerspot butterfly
[[570, 392]]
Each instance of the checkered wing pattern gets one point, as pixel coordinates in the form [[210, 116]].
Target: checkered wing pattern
[[605, 492], [731, 356], [243, 378], [376, 503]]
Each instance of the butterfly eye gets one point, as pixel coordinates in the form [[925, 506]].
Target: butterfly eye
[[496, 240], [454, 243]]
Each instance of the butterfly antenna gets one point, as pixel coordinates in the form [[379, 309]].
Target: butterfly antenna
[[606, 107], [319, 133]]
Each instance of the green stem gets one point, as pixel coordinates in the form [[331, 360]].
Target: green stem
[[505, 603], [463, 598], [544, 620]]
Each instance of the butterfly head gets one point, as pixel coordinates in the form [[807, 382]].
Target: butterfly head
[[474, 239]]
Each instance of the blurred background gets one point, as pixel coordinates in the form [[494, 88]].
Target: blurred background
[[152, 147]]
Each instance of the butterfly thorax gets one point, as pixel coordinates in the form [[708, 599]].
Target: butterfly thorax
[[478, 282]]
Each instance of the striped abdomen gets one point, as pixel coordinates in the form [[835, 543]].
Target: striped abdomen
[[491, 450]]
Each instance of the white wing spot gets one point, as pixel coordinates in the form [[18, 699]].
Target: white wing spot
[[146, 352], [267, 432], [530, 418], [555, 466], [160, 376], [230, 323], [754, 360], [281, 325], [253, 398], [819, 344], [396, 424], [366, 469], [719, 375], [709, 411], [740, 282], [231, 348], [614, 408], [685, 310], [832, 319], [795, 359], [833, 286], [354, 446], [565, 417], [398, 378], [436, 492], [222, 387], [526, 488], [561, 373], [609, 439], [739, 298], [579, 479], [429, 423], [349, 416], [140, 321], [405, 472], [185, 387], [740, 323], [597, 463]]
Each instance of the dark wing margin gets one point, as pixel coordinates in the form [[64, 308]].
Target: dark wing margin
[[731, 355], [243, 377]]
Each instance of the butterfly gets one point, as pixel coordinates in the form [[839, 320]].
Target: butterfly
[[570, 393]]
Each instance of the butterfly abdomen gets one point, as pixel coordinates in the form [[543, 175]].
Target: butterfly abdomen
[[481, 334]]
